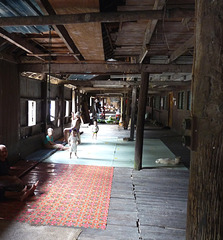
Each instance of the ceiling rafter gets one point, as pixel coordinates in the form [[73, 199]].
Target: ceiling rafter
[[105, 89], [141, 40], [7, 57], [158, 5], [99, 82], [19, 42], [61, 30], [182, 49]]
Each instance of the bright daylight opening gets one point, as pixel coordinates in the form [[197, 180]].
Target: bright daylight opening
[[52, 110], [31, 113]]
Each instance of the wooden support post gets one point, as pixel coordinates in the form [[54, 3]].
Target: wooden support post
[[44, 102], [205, 199], [121, 114], [124, 111], [85, 113], [78, 100], [127, 111], [61, 107], [140, 120], [73, 101], [133, 110]]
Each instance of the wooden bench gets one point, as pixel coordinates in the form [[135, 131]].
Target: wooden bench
[[40, 155]]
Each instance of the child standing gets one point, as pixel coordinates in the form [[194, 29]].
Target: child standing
[[72, 141], [95, 129]]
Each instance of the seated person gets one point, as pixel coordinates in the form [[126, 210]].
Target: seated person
[[49, 142], [12, 186]]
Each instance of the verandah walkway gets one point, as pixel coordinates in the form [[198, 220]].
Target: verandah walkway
[[146, 204]]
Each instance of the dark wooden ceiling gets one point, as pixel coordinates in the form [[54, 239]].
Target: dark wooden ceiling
[[111, 38]]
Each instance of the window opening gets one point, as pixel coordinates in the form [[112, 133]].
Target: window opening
[[31, 113], [67, 109], [180, 104], [188, 100], [52, 110]]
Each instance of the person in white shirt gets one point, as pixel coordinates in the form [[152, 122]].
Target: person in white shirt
[[72, 142], [95, 129]]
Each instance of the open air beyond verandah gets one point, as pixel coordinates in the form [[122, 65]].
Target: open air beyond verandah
[[98, 194]]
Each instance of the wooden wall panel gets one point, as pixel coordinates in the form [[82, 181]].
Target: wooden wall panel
[[15, 91], [9, 107], [67, 93], [30, 89]]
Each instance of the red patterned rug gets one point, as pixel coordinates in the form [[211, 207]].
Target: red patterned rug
[[77, 196]]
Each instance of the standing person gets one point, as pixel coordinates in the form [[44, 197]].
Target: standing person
[[12, 187], [49, 142], [95, 129], [72, 141], [67, 131], [76, 123]]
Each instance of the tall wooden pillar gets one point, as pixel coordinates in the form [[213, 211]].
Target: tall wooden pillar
[[73, 109], [127, 111], [205, 200], [48, 77], [140, 120], [133, 110], [121, 114], [124, 110], [61, 107], [78, 101], [44, 102]]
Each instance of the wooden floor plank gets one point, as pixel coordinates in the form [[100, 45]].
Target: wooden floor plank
[[112, 232], [161, 200], [145, 205], [122, 204], [158, 233], [124, 218]]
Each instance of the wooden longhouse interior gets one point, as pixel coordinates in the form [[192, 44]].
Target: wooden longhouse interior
[[159, 62]]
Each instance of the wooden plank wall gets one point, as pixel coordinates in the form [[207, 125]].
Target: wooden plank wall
[[9, 107], [15, 91]]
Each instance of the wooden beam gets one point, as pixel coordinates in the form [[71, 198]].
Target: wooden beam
[[170, 83], [94, 83], [182, 49], [158, 5], [141, 120], [115, 84], [205, 205], [19, 42], [7, 57], [163, 89], [105, 90], [96, 17], [107, 94], [105, 68], [50, 54], [61, 30], [172, 68]]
